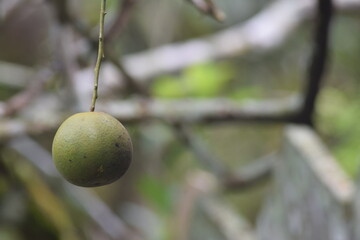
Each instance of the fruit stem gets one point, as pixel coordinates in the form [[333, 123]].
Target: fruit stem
[[100, 55]]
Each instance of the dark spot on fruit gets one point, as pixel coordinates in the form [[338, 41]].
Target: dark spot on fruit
[[100, 170], [84, 156], [70, 160], [117, 145]]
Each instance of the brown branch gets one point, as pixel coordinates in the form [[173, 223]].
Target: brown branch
[[208, 7], [184, 110], [318, 61]]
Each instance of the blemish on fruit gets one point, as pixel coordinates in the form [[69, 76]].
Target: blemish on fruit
[[100, 169]]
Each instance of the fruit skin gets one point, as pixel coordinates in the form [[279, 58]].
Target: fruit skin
[[92, 149]]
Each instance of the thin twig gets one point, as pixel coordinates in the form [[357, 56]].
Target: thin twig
[[318, 61], [100, 55]]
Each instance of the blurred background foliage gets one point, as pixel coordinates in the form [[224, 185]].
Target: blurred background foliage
[[148, 199]]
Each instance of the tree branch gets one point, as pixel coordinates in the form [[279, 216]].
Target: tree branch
[[318, 61], [184, 110], [204, 110]]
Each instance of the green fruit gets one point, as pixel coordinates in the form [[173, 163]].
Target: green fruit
[[92, 149]]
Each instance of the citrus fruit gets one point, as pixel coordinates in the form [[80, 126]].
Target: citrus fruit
[[92, 149]]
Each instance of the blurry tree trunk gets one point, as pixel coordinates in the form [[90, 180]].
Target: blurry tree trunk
[[312, 198]]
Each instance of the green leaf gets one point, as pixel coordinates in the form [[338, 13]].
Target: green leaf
[[203, 80], [207, 80], [168, 87]]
